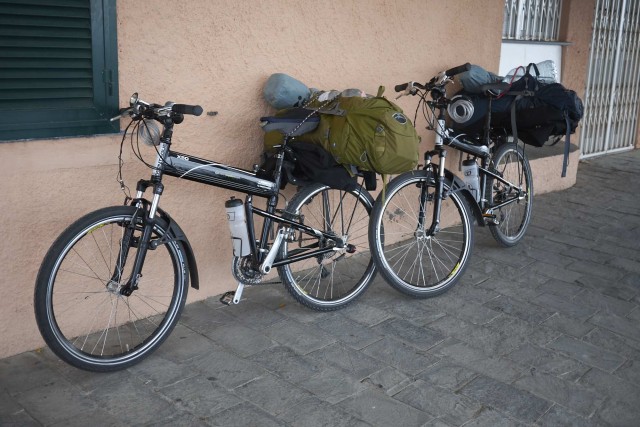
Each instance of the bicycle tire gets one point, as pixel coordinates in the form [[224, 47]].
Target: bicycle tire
[[512, 164], [410, 260], [334, 280], [80, 311]]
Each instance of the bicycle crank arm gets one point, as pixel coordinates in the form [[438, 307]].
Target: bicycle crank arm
[[265, 268], [233, 296]]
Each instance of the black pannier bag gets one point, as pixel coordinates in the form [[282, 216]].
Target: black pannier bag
[[542, 110], [532, 110]]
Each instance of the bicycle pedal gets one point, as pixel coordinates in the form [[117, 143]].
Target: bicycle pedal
[[227, 297]]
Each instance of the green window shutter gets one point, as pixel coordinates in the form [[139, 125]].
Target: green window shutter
[[58, 68]]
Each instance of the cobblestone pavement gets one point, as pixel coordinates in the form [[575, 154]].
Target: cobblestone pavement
[[542, 334]]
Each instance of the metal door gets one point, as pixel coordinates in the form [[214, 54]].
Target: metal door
[[613, 81]]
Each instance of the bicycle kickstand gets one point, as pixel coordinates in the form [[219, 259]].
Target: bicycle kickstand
[[232, 296]]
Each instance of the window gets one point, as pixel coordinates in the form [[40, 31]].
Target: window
[[535, 20], [58, 68]]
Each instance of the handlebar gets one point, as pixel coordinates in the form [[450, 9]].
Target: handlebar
[[194, 110], [441, 79], [457, 70], [139, 109]]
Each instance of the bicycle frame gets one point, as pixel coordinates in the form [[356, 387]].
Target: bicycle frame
[[216, 174], [482, 151]]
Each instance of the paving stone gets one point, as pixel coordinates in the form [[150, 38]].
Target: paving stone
[[240, 339], [353, 362], [12, 413], [520, 404], [315, 412], [272, 394], [630, 371], [301, 338], [513, 289], [199, 396], [388, 379], [409, 309], [202, 317], [546, 256], [560, 288], [185, 344], [447, 374], [378, 409], [617, 324], [287, 364], [587, 353], [568, 394], [26, 371], [564, 306], [603, 303], [101, 417], [493, 418], [466, 310], [157, 372], [450, 407], [475, 294], [568, 325], [498, 368], [351, 333], [520, 309], [548, 361], [559, 416], [613, 342], [226, 368], [365, 314], [244, 415], [253, 315], [44, 402], [400, 355], [618, 289], [119, 398], [332, 385], [589, 268], [420, 337]]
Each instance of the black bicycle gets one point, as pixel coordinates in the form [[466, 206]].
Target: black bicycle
[[113, 285], [421, 228]]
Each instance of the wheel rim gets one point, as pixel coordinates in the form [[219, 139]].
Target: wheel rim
[[335, 278], [409, 256], [88, 315], [512, 218]]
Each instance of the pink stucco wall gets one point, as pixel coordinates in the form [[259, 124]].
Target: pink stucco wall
[[218, 54]]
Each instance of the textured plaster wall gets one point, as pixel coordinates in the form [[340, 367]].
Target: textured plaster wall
[[218, 54]]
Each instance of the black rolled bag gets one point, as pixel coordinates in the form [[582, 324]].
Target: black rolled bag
[[534, 111]]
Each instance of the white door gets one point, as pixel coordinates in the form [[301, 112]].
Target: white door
[[613, 82]]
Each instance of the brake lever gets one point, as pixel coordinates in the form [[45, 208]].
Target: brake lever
[[123, 112], [410, 90]]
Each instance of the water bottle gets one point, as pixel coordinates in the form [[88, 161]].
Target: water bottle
[[470, 177], [238, 227]]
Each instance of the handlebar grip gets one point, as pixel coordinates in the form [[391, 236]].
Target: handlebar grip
[[400, 88], [457, 70], [194, 110]]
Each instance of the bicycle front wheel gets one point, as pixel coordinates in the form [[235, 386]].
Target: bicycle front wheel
[[80, 308], [513, 217], [413, 260], [334, 279]]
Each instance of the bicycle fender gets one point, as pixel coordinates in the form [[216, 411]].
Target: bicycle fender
[[179, 235], [458, 186]]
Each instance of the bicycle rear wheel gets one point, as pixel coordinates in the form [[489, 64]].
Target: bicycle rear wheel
[[512, 219], [411, 259], [80, 308], [335, 279]]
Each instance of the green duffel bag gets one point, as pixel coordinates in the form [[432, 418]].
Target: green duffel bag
[[371, 133]]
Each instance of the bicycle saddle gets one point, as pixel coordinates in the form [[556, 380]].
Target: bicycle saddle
[[495, 89], [292, 121]]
